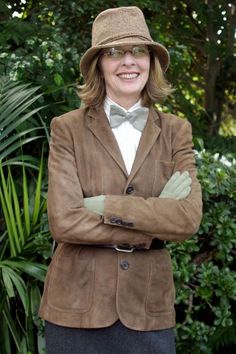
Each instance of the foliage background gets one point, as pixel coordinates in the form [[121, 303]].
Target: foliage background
[[41, 43]]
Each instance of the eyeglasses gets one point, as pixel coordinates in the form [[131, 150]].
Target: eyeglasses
[[118, 53]]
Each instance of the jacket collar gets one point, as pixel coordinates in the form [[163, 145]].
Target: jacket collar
[[99, 125]]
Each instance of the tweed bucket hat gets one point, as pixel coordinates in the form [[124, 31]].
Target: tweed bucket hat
[[121, 26]]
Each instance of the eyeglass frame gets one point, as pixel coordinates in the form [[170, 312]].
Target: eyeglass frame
[[107, 52]]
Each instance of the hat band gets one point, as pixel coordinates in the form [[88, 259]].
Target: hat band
[[115, 38]]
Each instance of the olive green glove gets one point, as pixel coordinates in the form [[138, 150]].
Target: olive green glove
[[95, 204], [178, 186]]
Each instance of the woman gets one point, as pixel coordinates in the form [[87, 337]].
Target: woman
[[122, 181]]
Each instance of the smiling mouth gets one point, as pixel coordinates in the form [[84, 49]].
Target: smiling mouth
[[128, 76]]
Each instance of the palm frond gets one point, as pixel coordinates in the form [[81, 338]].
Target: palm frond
[[18, 104]]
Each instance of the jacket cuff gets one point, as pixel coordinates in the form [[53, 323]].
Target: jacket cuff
[[112, 212]]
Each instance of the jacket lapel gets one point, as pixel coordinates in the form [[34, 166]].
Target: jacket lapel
[[100, 127], [148, 138]]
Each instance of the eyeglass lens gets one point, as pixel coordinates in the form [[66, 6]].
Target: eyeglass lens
[[117, 52]]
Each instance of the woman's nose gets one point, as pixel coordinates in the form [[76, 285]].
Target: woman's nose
[[128, 59]]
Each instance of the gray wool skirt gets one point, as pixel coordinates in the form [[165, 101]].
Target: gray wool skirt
[[116, 339]]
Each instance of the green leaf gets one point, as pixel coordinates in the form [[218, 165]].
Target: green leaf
[[35, 270], [17, 211], [18, 145], [58, 79], [11, 278], [7, 281], [10, 140], [4, 242], [23, 345], [8, 213], [37, 200], [11, 325], [16, 99], [25, 160], [35, 298], [11, 127], [41, 343], [21, 289], [5, 345], [26, 202]]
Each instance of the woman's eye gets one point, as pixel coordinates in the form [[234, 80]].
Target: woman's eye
[[139, 51], [117, 53]]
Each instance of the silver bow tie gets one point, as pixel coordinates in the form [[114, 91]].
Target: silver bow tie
[[137, 118]]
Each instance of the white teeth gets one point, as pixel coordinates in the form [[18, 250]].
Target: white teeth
[[128, 76]]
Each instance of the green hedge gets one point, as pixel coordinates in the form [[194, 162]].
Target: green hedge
[[204, 265]]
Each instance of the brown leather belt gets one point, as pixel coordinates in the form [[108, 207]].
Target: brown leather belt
[[155, 245]]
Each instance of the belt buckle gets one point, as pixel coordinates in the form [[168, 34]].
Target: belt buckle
[[124, 249]]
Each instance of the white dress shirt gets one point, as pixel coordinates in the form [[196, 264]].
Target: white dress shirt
[[126, 135]]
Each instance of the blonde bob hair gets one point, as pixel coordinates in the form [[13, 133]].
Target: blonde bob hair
[[93, 92]]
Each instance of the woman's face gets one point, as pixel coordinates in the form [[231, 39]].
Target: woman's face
[[125, 71]]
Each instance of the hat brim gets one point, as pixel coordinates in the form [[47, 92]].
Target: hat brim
[[159, 50]]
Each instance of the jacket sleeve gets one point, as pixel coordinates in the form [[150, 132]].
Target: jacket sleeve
[[168, 219], [68, 220]]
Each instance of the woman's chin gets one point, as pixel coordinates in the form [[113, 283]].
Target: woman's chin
[[130, 91]]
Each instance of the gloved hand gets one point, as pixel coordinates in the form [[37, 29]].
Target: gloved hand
[[178, 186], [95, 204]]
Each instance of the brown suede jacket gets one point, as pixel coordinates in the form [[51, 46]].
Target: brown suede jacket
[[92, 287]]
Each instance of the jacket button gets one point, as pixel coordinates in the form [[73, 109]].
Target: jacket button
[[113, 220], [129, 189], [124, 265]]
